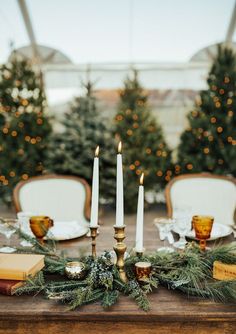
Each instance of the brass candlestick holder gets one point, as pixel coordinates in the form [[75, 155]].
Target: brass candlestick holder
[[120, 248], [93, 231]]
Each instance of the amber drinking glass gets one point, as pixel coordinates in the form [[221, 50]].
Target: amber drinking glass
[[202, 226], [40, 225]]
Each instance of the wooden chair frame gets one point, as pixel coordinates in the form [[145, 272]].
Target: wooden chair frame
[[190, 176], [87, 187]]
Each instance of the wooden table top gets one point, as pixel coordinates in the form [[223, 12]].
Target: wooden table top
[[166, 306]]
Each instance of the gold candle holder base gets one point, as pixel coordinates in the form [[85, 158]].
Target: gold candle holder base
[[93, 231], [120, 248], [139, 253]]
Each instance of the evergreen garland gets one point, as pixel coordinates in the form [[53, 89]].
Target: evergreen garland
[[189, 272]]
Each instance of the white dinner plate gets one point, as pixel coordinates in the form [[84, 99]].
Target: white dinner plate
[[67, 230], [218, 231], [62, 230]]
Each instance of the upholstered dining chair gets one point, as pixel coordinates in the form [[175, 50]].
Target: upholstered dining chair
[[63, 198], [205, 194]]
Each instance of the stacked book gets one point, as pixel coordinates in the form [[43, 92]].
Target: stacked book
[[16, 268]]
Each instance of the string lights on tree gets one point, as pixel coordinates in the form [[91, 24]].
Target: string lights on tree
[[23, 142], [144, 145], [208, 143]]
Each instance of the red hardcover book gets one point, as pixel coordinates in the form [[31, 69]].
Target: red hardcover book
[[7, 287]]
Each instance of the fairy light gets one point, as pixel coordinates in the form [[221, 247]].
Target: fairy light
[[158, 153], [220, 161], [14, 133], [33, 141], [137, 163], [148, 150], [21, 125], [164, 154], [39, 121], [230, 113], [135, 117], [226, 80], [12, 173], [27, 138], [189, 166], [229, 101], [129, 132], [5, 130], [218, 104], [119, 118], [25, 176], [128, 111], [24, 102], [206, 150], [138, 172], [210, 138], [135, 125], [159, 173], [230, 139], [213, 120], [132, 167], [219, 129], [221, 91]]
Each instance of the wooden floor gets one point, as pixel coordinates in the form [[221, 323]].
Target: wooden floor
[[171, 312]]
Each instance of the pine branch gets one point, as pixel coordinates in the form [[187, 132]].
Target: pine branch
[[109, 298]]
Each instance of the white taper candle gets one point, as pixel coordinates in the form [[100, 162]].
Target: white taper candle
[[119, 189], [95, 190], [139, 220]]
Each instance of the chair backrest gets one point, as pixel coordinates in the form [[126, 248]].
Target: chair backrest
[[63, 198], [205, 194]]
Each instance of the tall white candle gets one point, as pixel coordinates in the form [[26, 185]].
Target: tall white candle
[[119, 189], [139, 221], [95, 190]]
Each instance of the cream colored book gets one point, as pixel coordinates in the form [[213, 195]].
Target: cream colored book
[[20, 266], [224, 272]]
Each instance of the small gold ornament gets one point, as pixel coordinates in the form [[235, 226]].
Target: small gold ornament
[[75, 270]]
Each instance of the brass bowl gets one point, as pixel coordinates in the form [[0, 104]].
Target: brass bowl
[[75, 270], [40, 225]]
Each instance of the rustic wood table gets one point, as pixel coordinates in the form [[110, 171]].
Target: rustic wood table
[[171, 312]]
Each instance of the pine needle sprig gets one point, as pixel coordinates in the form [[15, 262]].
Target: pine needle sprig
[[33, 285], [110, 297]]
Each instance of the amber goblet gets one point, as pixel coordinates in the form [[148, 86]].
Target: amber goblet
[[202, 226], [39, 226]]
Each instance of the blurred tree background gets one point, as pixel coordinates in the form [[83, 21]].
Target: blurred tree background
[[24, 126], [209, 143], [144, 146]]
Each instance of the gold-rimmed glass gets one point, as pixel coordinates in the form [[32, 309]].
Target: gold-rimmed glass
[[202, 226]]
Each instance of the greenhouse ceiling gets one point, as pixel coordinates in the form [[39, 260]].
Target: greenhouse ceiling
[[108, 31]]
